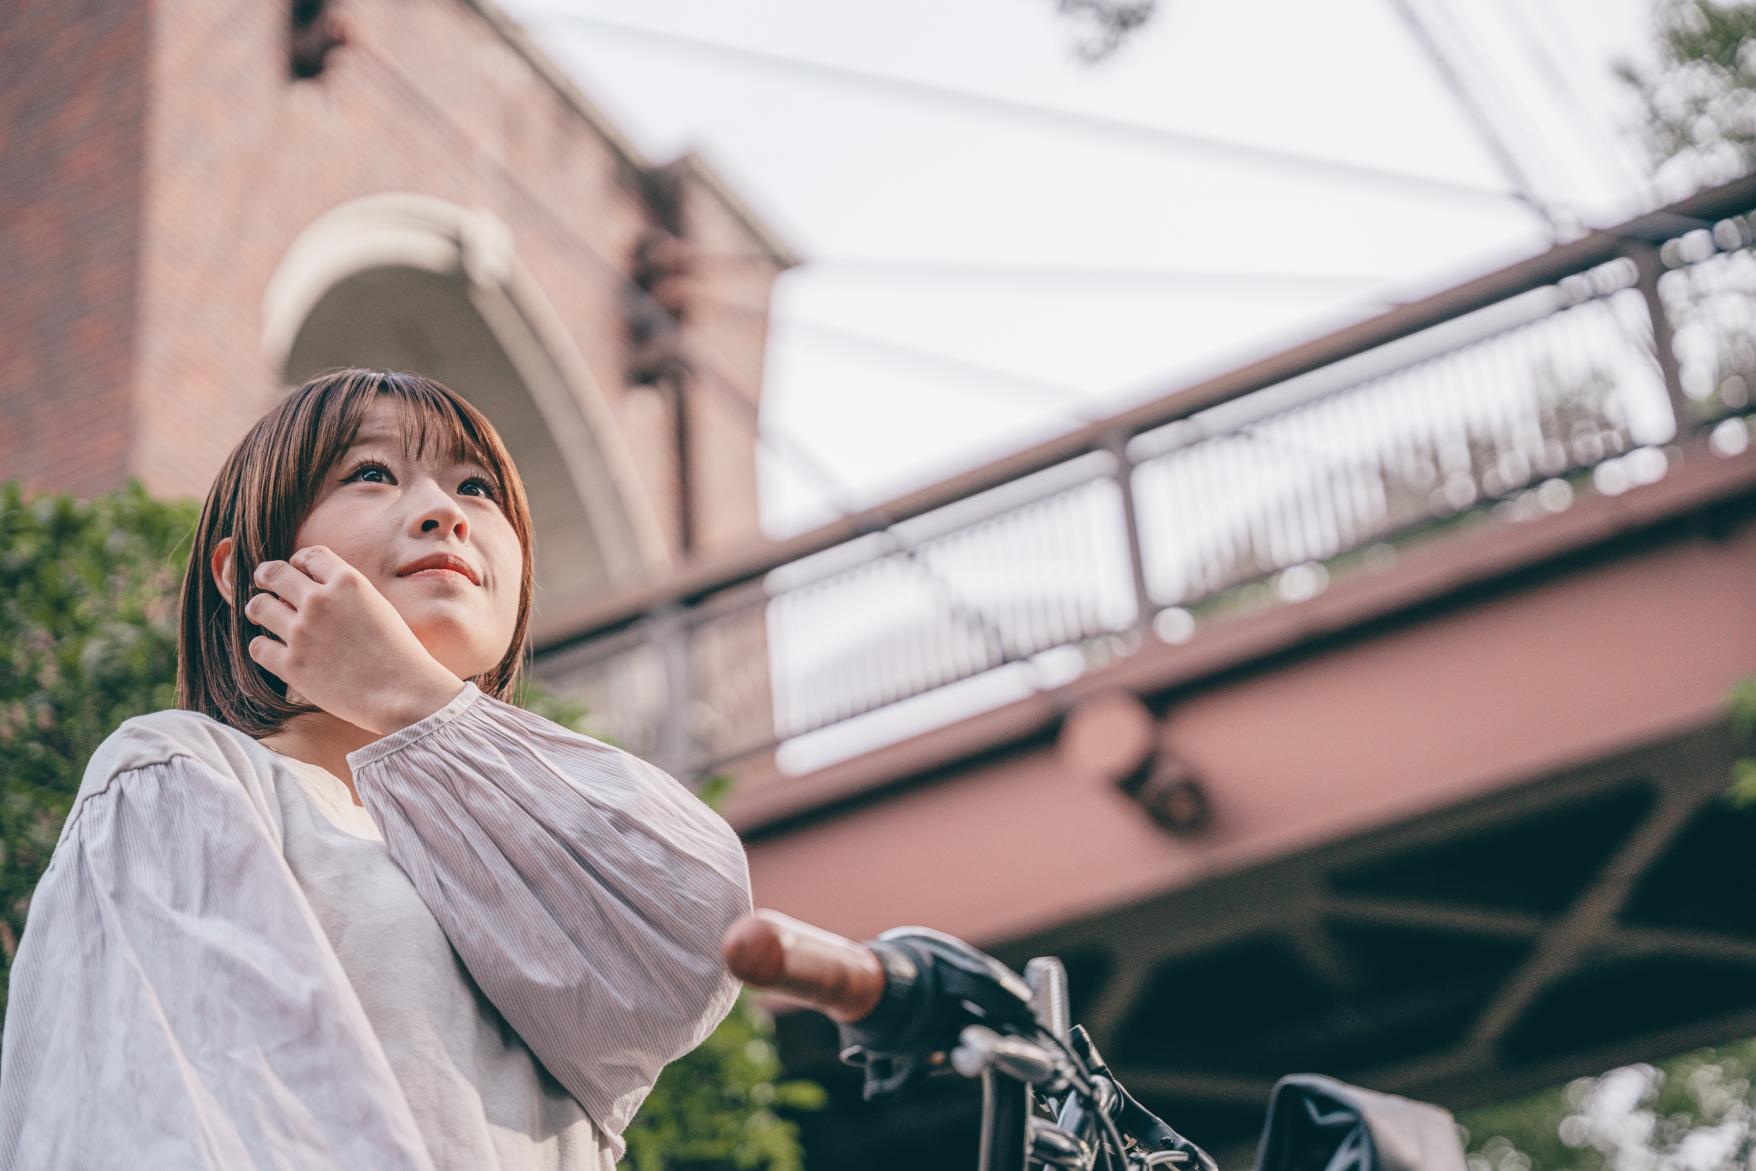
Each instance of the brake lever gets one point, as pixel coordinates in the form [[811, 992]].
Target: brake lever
[[1142, 1125], [887, 1074]]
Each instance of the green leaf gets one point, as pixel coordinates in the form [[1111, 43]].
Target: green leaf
[[1744, 708]]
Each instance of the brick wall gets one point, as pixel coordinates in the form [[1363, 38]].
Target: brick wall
[[73, 81], [147, 256]]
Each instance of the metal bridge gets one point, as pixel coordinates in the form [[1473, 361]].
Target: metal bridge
[[1363, 709]]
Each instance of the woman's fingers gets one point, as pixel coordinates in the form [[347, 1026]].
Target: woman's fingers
[[269, 655], [318, 562], [270, 613], [286, 581]]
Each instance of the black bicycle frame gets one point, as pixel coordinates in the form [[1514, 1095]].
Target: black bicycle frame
[[1006, 1108]]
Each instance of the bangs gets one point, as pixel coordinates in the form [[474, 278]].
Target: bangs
[[426, 424], [428, 419]]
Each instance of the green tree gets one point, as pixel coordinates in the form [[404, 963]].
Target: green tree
[[1104, 24], [1743, 790], [1696, 1110], [1698, 99], [88, 638]]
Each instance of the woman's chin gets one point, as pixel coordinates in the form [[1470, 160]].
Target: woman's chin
[[464, 662], [457, 642]]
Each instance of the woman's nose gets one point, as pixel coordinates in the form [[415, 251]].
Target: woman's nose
[[457, 523], [440, 511]]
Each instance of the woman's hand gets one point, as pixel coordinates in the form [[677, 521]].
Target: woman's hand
[[343, 646]]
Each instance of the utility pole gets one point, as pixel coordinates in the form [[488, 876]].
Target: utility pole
[[657, 303]]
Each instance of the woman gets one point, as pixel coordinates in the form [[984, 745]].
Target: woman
[[345, 906]]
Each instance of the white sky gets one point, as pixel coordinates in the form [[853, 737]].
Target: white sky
[[847, 172]]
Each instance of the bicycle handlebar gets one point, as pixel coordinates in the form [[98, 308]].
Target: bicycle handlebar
[[915, 1000], [842, 979]]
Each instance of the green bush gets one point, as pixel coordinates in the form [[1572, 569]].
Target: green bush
[[88, 638]]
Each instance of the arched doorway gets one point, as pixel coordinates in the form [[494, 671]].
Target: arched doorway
[[402, 281]]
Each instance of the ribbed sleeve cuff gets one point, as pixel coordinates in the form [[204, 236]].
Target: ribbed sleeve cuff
[[462, 702]]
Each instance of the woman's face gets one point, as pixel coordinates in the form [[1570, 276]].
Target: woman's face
[[379, 511]]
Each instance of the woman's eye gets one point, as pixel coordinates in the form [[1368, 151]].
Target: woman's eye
[[374, 466], [369, 466]]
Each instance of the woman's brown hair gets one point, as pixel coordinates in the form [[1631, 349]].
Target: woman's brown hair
[[264, 491]]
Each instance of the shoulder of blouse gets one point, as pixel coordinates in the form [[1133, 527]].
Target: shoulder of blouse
[[179, 735]]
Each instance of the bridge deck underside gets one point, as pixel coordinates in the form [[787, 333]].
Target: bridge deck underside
[[1574, 923]]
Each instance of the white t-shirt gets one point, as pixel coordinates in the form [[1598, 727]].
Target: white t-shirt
[[229, 965]]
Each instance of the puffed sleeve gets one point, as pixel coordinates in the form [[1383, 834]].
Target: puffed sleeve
[[175, 1003], [585, 890]]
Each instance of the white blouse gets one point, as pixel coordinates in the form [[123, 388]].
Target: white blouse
[[229, 965]]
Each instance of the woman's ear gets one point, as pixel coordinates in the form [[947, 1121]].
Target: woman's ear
[[224, 572]]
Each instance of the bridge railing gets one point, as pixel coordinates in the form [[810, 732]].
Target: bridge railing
[[1493, 402]]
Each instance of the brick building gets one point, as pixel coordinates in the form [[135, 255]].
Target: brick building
[[189, 227]]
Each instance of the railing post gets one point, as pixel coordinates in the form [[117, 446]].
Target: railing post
[[670, 626], [1648, 267], [1116, 443]]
